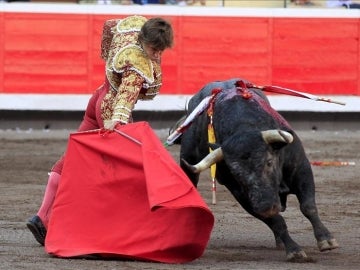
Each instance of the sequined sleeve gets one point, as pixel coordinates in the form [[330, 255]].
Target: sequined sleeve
[[106, 37], [126, 96]]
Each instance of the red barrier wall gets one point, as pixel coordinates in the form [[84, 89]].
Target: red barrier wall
[[59, 53]]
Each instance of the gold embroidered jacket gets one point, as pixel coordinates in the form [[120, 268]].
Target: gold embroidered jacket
[[132, 75]]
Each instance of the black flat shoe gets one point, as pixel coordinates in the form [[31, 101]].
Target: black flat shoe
[[37, 228]]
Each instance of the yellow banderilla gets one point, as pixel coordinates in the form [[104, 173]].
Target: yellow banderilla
[[211, 138]]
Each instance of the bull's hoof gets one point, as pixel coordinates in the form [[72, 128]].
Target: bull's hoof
[[298, 257], [325, 245]]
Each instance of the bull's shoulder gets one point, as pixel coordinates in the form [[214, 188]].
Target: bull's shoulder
[[207, 89]]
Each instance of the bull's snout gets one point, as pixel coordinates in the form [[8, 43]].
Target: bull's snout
[[270, 212], [265, 203]]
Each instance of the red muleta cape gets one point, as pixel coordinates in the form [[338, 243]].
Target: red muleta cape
[[119, 198]]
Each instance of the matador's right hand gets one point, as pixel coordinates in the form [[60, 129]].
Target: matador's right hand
[[111, 124]]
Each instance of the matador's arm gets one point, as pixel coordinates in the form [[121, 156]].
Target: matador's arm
[[125, 99]]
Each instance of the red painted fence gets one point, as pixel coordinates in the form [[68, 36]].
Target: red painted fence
[[58, 52]]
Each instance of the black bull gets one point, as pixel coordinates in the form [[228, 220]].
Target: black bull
[[259, 169]]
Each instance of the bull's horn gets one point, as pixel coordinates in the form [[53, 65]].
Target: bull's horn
[[212, 158], [274, 135]]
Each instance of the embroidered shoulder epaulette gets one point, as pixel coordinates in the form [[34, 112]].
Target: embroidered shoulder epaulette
[[133, 58], [129, 24]]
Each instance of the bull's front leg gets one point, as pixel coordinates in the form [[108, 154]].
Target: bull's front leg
[[277, 224], [305, 192], [324, 238], [294, 252]]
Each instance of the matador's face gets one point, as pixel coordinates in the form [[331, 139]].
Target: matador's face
[[152, 53]]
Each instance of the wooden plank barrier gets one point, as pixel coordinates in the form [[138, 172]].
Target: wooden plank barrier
[[53, 51]]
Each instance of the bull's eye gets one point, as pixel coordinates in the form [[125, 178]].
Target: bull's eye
[[269, 162]]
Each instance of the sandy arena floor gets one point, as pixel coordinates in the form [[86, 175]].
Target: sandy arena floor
[[238, 240]]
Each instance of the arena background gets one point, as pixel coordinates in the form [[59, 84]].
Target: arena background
[[50, 60], [50, 64]]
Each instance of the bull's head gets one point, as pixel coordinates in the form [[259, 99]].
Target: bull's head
[[269, 136], [254, 168]]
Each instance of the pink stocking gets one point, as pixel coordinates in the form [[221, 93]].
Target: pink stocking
[[49, 197]]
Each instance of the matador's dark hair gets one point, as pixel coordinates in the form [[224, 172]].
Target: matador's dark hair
[[157, 33]]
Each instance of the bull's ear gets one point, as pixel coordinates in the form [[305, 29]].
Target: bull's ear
[[278, 146], [213, 146]]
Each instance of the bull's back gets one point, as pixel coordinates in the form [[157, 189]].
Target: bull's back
[[245, 109], [207, 91]]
